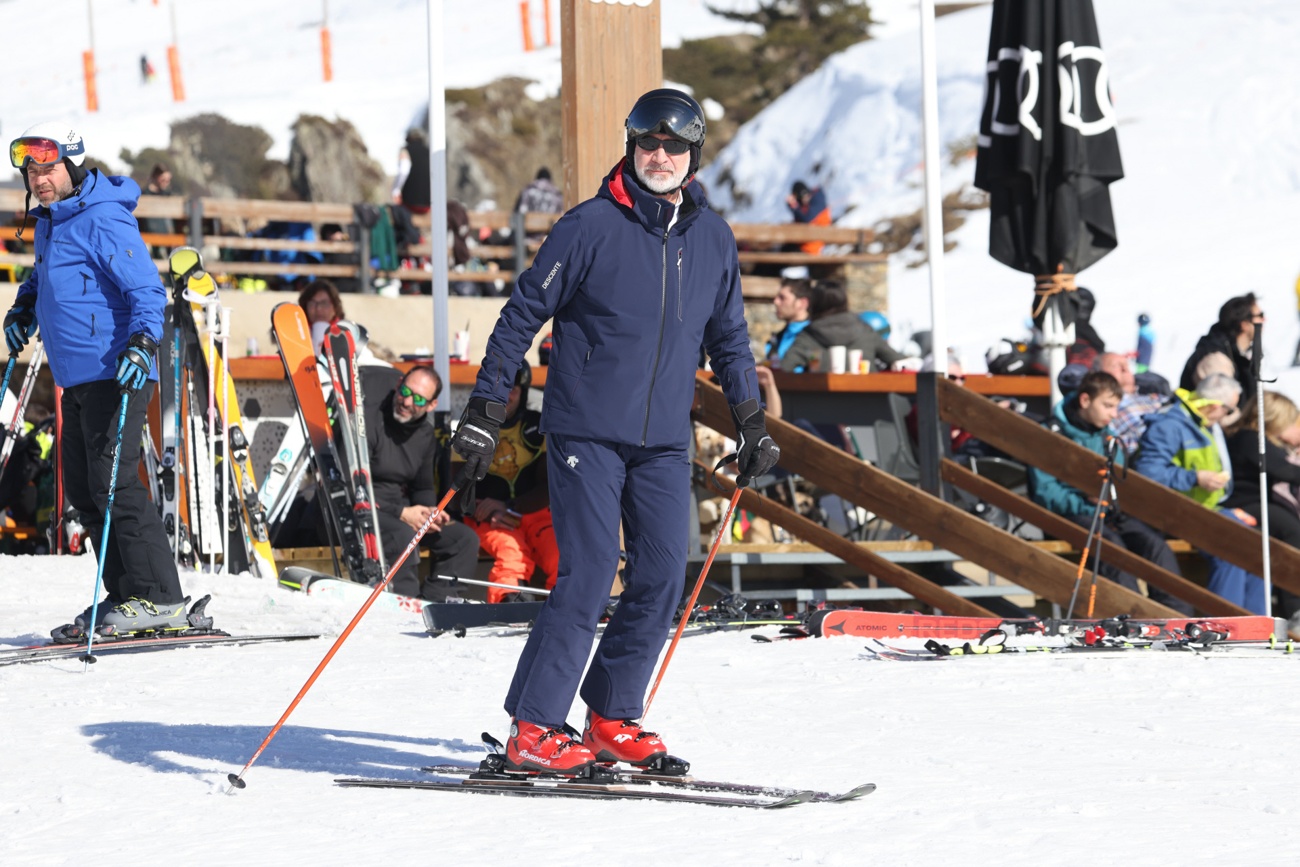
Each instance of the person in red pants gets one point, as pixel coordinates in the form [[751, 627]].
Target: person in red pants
[[513, 513]]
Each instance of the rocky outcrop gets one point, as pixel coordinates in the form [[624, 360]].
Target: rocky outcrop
[[328, 162]]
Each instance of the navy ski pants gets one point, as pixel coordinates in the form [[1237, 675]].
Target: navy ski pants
[[594, 484], [138, 560]]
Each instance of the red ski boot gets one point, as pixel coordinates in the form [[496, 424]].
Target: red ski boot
[[537, 748], [622, 740]]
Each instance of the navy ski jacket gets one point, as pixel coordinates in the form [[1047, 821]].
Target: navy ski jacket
[[633, 302], [94, 283]]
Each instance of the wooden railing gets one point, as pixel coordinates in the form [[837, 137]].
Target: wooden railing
[[1162, 508], [925, 515], [847, 245]]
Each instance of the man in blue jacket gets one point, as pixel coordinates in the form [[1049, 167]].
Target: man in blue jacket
[[1084, 417], [637, 279], [95, 295]]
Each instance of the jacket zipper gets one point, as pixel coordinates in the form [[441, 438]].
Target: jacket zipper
[[679, 285], [659, 347]]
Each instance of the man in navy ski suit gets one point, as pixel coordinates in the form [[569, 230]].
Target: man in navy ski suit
[[96, 296], [637, 279]]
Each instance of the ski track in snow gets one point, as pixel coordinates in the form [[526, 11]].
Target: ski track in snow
[[1031, 760]]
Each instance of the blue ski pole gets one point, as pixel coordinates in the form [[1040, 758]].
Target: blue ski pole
[[103, 538], [9, 372]]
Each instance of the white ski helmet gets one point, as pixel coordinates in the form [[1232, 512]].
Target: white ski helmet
[[67, 142]]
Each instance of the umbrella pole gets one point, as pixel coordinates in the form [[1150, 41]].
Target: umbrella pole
[[932, 225]]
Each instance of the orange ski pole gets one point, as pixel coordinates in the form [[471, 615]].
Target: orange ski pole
[[237, 780], [741, 484]]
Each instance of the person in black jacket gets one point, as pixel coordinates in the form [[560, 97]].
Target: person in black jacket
[[833, 325], [1224, 348], [1281, 430], [403, 451]]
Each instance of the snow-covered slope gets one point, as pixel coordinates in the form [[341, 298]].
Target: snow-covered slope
[[1139, 758]]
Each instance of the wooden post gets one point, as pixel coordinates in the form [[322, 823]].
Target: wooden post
[[610, 54]]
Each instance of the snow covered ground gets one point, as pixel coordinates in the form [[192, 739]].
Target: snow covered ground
[[1036, 760]]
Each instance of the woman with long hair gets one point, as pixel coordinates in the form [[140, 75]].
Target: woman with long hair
[[1281, 434]]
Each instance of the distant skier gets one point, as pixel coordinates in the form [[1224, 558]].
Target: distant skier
[[95, 294], [1146, 344], [637, 279]]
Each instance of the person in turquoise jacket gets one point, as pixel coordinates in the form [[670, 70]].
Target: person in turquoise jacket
[[1084, 418], [95, 294]]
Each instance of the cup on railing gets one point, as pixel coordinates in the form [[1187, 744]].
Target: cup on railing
[[855, 361], [460, 345], [837, 358]]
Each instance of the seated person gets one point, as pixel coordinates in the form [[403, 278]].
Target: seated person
[[833, 325], [791, 305], [1281, 431], [1225, 348], [809, 206], [403, 453], [1084, 417], [1129, 421], [512, 512], [1180, 449]]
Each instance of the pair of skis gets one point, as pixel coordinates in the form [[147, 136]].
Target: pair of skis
[[491, 777], [340, 450], [12, 427], [209, 496]]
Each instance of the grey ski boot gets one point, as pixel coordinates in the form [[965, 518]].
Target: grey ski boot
[[140, 615]]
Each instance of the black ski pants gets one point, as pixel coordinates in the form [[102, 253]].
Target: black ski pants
[[453, 549], [1128, 532], [137, 560]]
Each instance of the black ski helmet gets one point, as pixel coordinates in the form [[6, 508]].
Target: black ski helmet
[[671, 112]]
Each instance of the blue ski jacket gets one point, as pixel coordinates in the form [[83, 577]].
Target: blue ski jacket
[[634, 296], [94, 283]]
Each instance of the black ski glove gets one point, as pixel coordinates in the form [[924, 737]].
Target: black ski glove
[[135, 362], [19, 323], [476, 436], [757, 453]]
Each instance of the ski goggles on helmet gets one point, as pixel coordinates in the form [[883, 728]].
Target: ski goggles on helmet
[[418, 399], [650, 144], [667, 114], [42, 151]]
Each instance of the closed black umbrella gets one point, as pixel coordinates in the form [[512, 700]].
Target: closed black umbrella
[[1047, 146]]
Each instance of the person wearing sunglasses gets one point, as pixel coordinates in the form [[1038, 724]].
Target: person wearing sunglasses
[[1225, 348], [95, 295], [404, 449], [637, 280]]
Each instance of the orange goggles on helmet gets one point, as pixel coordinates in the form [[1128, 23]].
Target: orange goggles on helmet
[[42, 151]]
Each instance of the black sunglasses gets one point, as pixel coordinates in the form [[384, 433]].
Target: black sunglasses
[[650, 144], [418, 399]]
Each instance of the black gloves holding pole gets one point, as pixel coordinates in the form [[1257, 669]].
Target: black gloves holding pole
[[756, 453], [476, 442]]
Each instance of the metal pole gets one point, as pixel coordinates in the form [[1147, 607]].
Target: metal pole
[[933, 222], [438, 195], [1257, 356]]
